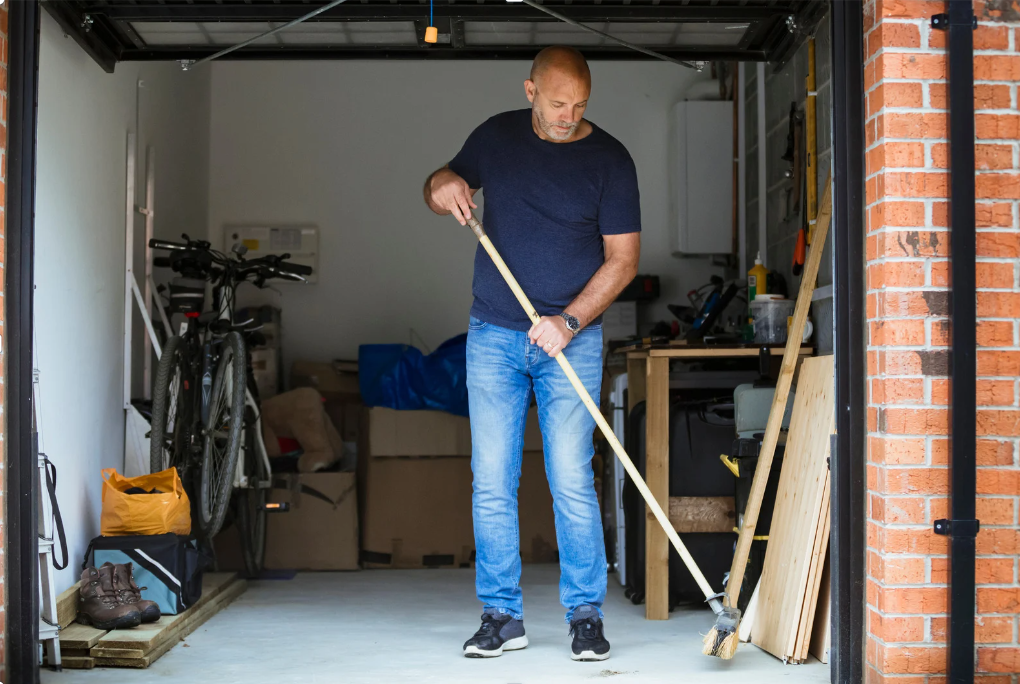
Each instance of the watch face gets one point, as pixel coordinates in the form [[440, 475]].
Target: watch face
[[572, 323]]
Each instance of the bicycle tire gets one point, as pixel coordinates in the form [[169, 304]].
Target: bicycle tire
[[222, 442], [250, 504], [172, 365]]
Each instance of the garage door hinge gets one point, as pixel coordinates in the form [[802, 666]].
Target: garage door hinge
[[957, 528]]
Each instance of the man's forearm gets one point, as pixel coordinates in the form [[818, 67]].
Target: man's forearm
[[603, 288]]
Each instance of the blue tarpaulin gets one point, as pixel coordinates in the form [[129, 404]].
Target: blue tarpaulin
[[399, 376]]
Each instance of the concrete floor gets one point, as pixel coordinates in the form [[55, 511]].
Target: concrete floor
[[386, 626]]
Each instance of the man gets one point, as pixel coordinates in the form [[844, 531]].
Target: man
[[561, 206]]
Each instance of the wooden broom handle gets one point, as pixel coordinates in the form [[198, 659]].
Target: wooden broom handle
[[607, 431], [778, 410]]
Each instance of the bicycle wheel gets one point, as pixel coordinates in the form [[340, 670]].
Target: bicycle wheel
[[222, 435], [170, 435], [250, 503]]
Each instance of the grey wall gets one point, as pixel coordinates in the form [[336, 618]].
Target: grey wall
[[347, 146], [783, 222], [84, 117]]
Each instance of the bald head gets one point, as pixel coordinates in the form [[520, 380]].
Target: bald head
[[564, 61]]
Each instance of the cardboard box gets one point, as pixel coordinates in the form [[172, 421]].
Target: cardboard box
[[319, 532], [390, 433], [266, 369], [332, 385], [417, 512]]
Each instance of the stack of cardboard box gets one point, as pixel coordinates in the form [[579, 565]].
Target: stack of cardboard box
[[414, 471]]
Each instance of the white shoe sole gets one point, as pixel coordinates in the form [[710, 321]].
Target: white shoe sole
[[586, 656], [512, 645]]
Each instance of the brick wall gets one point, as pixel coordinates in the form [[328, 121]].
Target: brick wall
[[908, 359], [3, 224]]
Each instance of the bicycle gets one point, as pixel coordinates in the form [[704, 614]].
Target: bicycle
[[206, 418]]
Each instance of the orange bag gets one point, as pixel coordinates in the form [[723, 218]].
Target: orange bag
[[125, 514]]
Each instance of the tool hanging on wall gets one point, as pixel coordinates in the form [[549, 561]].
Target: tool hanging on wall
[[811, 121]]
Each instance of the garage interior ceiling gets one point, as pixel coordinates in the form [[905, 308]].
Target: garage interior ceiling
[[749, 30]]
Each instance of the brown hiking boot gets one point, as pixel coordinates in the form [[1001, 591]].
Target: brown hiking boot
[[129, 593], [98, 604]]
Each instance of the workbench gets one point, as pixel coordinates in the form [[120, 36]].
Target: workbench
[[648, 381]]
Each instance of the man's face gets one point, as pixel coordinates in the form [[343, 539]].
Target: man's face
[[558, 102]]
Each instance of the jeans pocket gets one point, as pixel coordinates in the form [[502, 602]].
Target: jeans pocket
[[476, 324]]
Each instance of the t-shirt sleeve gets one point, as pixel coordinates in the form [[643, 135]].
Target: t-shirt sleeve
[[467, 163], [620, 207]]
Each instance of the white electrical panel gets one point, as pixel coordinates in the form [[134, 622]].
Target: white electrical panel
[[701, 156], [301, 242]]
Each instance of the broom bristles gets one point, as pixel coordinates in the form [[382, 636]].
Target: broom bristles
[[721, 640]]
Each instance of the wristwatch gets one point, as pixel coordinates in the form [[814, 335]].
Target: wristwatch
[[573, 325]]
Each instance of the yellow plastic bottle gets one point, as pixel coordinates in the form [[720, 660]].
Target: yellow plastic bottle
[[757, 280]]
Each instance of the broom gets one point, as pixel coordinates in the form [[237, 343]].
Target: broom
[[722, 640], [607, 431]]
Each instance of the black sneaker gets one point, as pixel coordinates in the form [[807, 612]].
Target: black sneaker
[[499, 632], [589, 643]]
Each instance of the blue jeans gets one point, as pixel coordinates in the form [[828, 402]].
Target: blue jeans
[[503, 368]]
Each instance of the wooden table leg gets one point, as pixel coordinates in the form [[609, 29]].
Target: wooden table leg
[[657, 477], [636, 374]]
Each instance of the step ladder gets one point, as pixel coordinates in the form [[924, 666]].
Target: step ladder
[[49, 626]]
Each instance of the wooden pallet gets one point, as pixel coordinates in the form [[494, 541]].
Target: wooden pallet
[[143, 645]]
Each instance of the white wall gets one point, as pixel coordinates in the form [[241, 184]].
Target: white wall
[[84, 116], [347, 146]]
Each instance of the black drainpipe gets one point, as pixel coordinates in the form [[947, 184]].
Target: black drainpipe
[[963, 528]]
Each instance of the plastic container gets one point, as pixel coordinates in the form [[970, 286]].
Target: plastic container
[[770, 313]]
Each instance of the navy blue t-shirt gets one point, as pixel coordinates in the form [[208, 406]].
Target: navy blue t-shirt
[[547, 206]]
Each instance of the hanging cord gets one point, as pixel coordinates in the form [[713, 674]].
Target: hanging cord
[[58, 522], [698, 66], [187, 64]]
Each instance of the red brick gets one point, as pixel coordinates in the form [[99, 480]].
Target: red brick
[[912, 65], [995, 68], [995, 334], [940, 452], [998, 305], [998, 423], [995, 393], [892, 213], [997, 510], [907, 421], [985, 38], [896, 450], [919, 184], [997, 186], [986, 157], [1003, 481], [912, 125], [998, 600], [986, 96], [911, 659], [907, 332], [998, 244], [897, 391], [915, 481], [995, 275], [998, 659], [896, 629], [908, 9], [913, 601], [902, 94], [998, 541], [896, 35], [913, 540], [987, 630], [940, 392], [991, 452], [894, 569], [900, 363], [996, 126], [913, 243], [998, 363], [903, 155], [940, 274], [899, 510], [986, 570]]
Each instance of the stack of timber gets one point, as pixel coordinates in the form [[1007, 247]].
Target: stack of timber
[[85, 647], [799, 537]]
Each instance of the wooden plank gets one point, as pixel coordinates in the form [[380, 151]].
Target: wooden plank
[[680, 353], [110, 658], [821, 635], [821, 547], [79, 637], [636, 373], [747, 622], [145, 637], [67, 606], [75, 662], [800, 499], [776, 413], [702, 513], [657, 478]]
